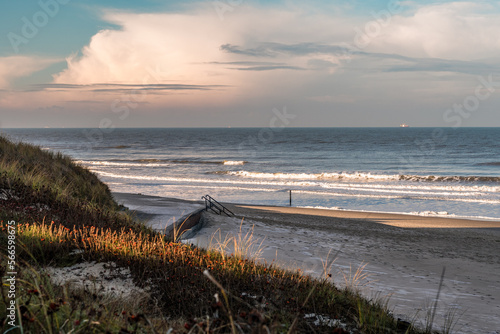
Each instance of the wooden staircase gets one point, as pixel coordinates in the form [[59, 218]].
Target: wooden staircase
[[216, 207]]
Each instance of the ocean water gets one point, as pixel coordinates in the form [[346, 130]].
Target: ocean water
[[426, 171]]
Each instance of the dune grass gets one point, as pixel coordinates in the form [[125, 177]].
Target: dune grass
[[54, 171], [60, 207], [258, 297]]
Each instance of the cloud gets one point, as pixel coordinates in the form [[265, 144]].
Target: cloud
[[197, 48], [15, 67], [178, 58], [176, 43], [261, 57], [188, 46], [257, 66], [388, 62], [268, 49], [122, 88], [444, 65], [456, 30], [321, 64], [270, 68], [254, 52], [246, 63]]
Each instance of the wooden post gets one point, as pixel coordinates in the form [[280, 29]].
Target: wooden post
[[290, 197]]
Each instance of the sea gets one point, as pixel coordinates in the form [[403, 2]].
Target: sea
[[446, 172]]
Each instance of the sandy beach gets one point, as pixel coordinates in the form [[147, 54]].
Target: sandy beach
[[404, 257]]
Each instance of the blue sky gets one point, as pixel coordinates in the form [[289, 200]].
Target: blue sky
[[230, 63]]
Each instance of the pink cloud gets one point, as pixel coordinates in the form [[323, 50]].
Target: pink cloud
[[20, 66]]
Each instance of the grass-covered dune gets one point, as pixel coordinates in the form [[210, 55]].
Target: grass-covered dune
[[64, 215]]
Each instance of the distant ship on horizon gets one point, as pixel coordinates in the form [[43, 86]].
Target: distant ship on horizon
[[404, 125]]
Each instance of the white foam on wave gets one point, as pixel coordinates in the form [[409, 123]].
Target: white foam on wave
[[197, 180], [406, 187], [227, 188], [432, 213], [443, 214], [338, 194], [322, 207], [308, 176], [234, 163], [428, 196], [348, 192], [403, 190], [432, 179], [429, 186], [446, 214], [121, 164]]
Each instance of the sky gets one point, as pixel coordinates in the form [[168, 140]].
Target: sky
[[243, 63]]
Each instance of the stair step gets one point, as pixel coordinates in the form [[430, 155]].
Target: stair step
[[218, 208]]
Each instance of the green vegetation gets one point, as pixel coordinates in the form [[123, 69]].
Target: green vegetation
[[42, 170], [60, 207]]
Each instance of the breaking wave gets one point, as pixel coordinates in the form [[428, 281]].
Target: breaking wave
[[160, 162], [234, 163], [360, 176], [191, 161], [306, 176], [122, 164], [470, 194], [433, 178]]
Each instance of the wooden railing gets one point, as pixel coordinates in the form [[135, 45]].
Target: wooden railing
[[214, 206]]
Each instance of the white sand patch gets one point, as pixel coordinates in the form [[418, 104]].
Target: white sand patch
[[324, 320], [101, 278]]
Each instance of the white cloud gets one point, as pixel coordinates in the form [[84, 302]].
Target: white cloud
[[20, 66], [457, 30], [173, 42], [188, 46]]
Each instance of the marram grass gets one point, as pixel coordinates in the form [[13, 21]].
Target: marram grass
[[259, 297], [55, 171]]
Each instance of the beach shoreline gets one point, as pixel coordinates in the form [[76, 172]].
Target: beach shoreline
[[403, 256], [445, 221], [396, 219]]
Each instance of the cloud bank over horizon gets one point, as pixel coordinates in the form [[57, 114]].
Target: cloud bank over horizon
[[204, 67]]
